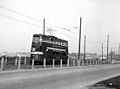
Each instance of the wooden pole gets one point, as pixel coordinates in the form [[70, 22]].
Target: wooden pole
[[102, 51], [107, 46], [43, 26], [111, 55], [84, 49], [79, 42]]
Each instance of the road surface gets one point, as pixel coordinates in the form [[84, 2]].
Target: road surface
[[58, 78]]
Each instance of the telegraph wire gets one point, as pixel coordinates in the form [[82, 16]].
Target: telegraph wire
[[19, 20], [38, 25], [21, 14], [35, 19], [94, 43]]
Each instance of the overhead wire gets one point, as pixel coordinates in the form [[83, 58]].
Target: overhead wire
[[21, 14], [94, 43], [24, 21], [35, 24], [19, 20], [35, 19]]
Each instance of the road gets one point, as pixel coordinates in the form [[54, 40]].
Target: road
[[58, 78]]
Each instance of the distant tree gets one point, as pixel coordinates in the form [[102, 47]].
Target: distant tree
[[112, 53]]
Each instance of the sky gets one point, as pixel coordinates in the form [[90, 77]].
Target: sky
[[99, 18]]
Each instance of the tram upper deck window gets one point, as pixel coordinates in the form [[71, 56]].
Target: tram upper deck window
[[37, 39], [40, 39]]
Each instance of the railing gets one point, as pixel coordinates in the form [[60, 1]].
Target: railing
[[21, 63]]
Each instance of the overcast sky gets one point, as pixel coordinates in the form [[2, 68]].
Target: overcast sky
[[99, 18]]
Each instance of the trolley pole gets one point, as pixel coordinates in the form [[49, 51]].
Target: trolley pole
[[79, 42], [43, 26]]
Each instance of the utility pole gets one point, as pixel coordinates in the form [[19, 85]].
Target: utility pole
[[119, 52], [79, 42], [102, 50], [107, 46], [111, 55], [84, 49], [116, 55], [44, 26]]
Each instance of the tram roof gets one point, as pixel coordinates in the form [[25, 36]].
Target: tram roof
[[50, 36]]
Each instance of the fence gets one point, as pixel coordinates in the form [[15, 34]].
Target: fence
[[19, 62]]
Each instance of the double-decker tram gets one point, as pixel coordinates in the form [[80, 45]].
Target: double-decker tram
[[49, 47]]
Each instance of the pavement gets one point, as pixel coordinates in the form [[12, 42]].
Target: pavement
[[58, 78]]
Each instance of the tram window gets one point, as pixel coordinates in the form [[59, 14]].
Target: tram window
[[65, 44], [40, 38], [51, 39], [37, 49], [63, 53], [33, 49], [36, 39], [40, 48]]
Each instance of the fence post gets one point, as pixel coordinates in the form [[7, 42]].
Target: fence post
[[5, 60], [19, 62], [78, 62], [44, 63], [82, 62], [97, 61], [33, 63], [88, 61], [25, 60], [53, 63], [94, 62], [91, 62], [60, 62], [15, 61], [68, 63], [73, 62], [2, 63]]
